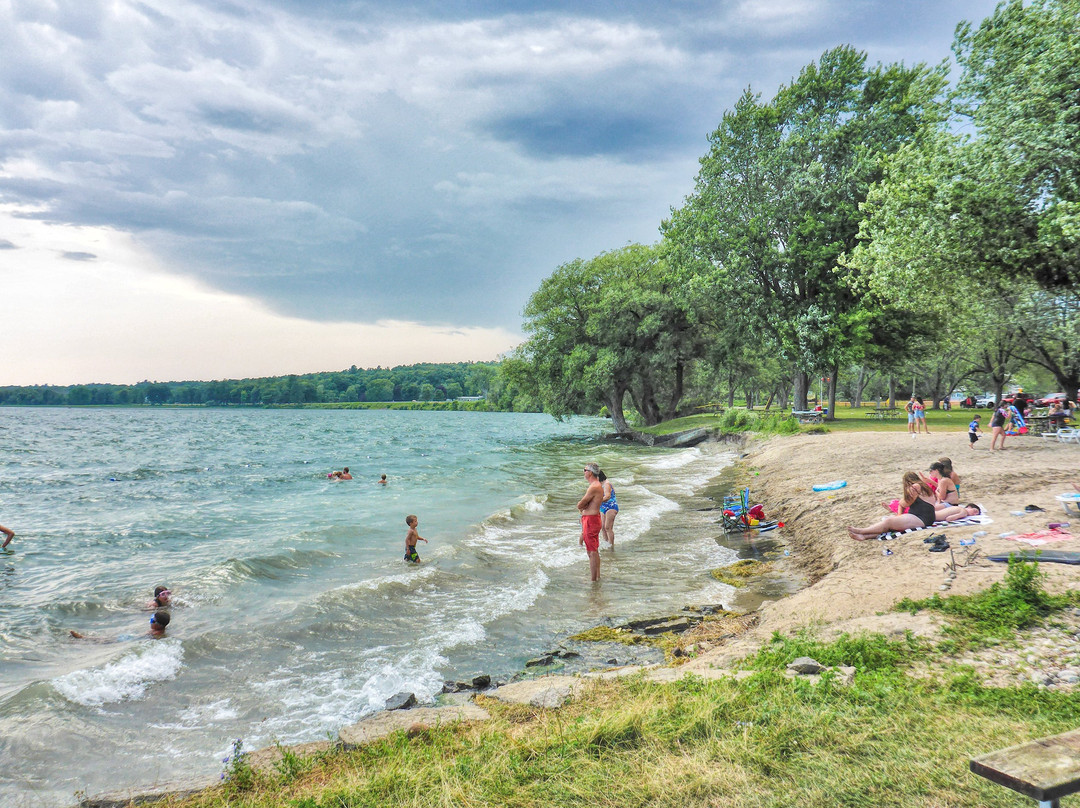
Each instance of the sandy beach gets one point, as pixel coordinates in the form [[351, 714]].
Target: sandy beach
[[853, 581]]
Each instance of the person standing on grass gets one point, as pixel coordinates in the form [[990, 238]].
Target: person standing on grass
[[589, 508], [911, 415]]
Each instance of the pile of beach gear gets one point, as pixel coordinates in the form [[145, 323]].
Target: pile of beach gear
[[739, 515]]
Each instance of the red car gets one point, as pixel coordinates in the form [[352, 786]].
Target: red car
[[1050, 398]]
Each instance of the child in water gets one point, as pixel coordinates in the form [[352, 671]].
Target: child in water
[[162, 599], [411, 538]]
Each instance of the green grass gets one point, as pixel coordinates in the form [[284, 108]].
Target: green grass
[[889, 739], [848, 419], [1017, 602]]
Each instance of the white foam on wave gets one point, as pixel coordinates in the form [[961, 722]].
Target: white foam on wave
[[675, 460], [125, 679]]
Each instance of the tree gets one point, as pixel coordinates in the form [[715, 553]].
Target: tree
[[380, 390], [777, 202], [617, 325], [993, 218]]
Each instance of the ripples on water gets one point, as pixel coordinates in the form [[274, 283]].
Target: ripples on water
[[293, 611]]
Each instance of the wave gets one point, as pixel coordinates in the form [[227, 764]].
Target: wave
[[268, 567], [127, 678]]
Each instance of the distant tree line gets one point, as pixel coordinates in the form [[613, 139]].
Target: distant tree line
[[422, 382], [866, 229]]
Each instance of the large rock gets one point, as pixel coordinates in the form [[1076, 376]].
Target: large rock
[[548, 691], [382, 724], [155, 793], [806, 665], [676, 626], [400, 701]]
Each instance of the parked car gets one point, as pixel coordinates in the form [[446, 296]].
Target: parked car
[[985, 401], [1050, 398]]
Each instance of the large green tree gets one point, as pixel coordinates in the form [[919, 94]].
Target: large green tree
[[777, 202], [616, 326], [980, 223]]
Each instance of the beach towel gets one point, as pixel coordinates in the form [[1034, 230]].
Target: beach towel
[[1039, 537], [981, 519]]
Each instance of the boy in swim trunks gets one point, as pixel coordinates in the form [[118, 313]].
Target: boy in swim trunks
[[973, 431], [411, 538], [589, 507]]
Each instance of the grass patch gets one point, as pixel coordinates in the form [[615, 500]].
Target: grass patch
[[1017, 602], [736, 574], [887, 740]]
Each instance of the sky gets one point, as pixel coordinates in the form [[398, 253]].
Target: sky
[[206, 189]]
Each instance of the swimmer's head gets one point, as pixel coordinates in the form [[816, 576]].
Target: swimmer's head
[[158, 621], [382, 477], [162, 595], [346, 469], [410, 520]]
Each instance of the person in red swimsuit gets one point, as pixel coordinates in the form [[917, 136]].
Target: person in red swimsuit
[[589, 507]]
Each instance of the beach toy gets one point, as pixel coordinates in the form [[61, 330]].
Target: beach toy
[[830, 486]]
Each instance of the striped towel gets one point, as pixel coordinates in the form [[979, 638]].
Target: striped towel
[[981, 519]]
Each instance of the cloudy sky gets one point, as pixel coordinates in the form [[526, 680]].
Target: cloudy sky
[[223, 188]]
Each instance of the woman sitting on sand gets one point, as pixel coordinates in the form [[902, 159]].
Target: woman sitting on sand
[[923, 511]]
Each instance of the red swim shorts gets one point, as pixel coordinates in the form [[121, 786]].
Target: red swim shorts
[[590, 531]]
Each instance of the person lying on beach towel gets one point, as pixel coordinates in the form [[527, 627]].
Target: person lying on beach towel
[[922, 511]]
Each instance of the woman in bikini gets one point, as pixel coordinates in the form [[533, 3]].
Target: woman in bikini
[[922, 511], [944, 488], [609, 509]]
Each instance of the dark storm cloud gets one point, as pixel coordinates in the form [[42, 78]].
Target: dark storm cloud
[[431, 160]]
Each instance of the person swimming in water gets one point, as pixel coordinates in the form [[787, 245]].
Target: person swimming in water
[[158, 621], [162, 598]]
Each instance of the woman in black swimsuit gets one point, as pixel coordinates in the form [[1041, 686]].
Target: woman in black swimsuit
[[997, 424], [919, 501]]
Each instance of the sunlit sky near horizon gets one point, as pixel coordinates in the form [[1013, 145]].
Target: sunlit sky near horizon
[[205, 189]]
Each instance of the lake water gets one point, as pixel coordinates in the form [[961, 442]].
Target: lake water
[[294, 613]]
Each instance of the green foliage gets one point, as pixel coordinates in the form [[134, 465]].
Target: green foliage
[[866, 652], [620, 324], [1017, 602], [238, 773]]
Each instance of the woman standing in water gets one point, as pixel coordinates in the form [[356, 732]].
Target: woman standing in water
[[609, 509]]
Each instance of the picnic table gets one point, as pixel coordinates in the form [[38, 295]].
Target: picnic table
[[809, 416], [1038, 424], [881, 413], [1045, 770]]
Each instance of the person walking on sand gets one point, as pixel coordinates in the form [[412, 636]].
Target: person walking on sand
[[911, 415], [919, 408], [997, 425], [609, 509], [9, 534], [589, 508]]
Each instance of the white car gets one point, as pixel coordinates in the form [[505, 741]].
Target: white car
[[985, 401]]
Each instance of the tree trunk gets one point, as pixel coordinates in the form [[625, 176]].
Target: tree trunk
[[769, 402], [892, 391], [860, 385], [802, 384], [832, 395], [615, 410]]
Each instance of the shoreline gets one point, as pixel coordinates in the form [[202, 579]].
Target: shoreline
[[851, 585]]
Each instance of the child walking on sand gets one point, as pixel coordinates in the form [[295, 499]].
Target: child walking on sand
[[411, 538], [973, 431]]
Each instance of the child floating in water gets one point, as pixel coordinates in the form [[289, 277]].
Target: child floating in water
[[158, 621], [411, 538]]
